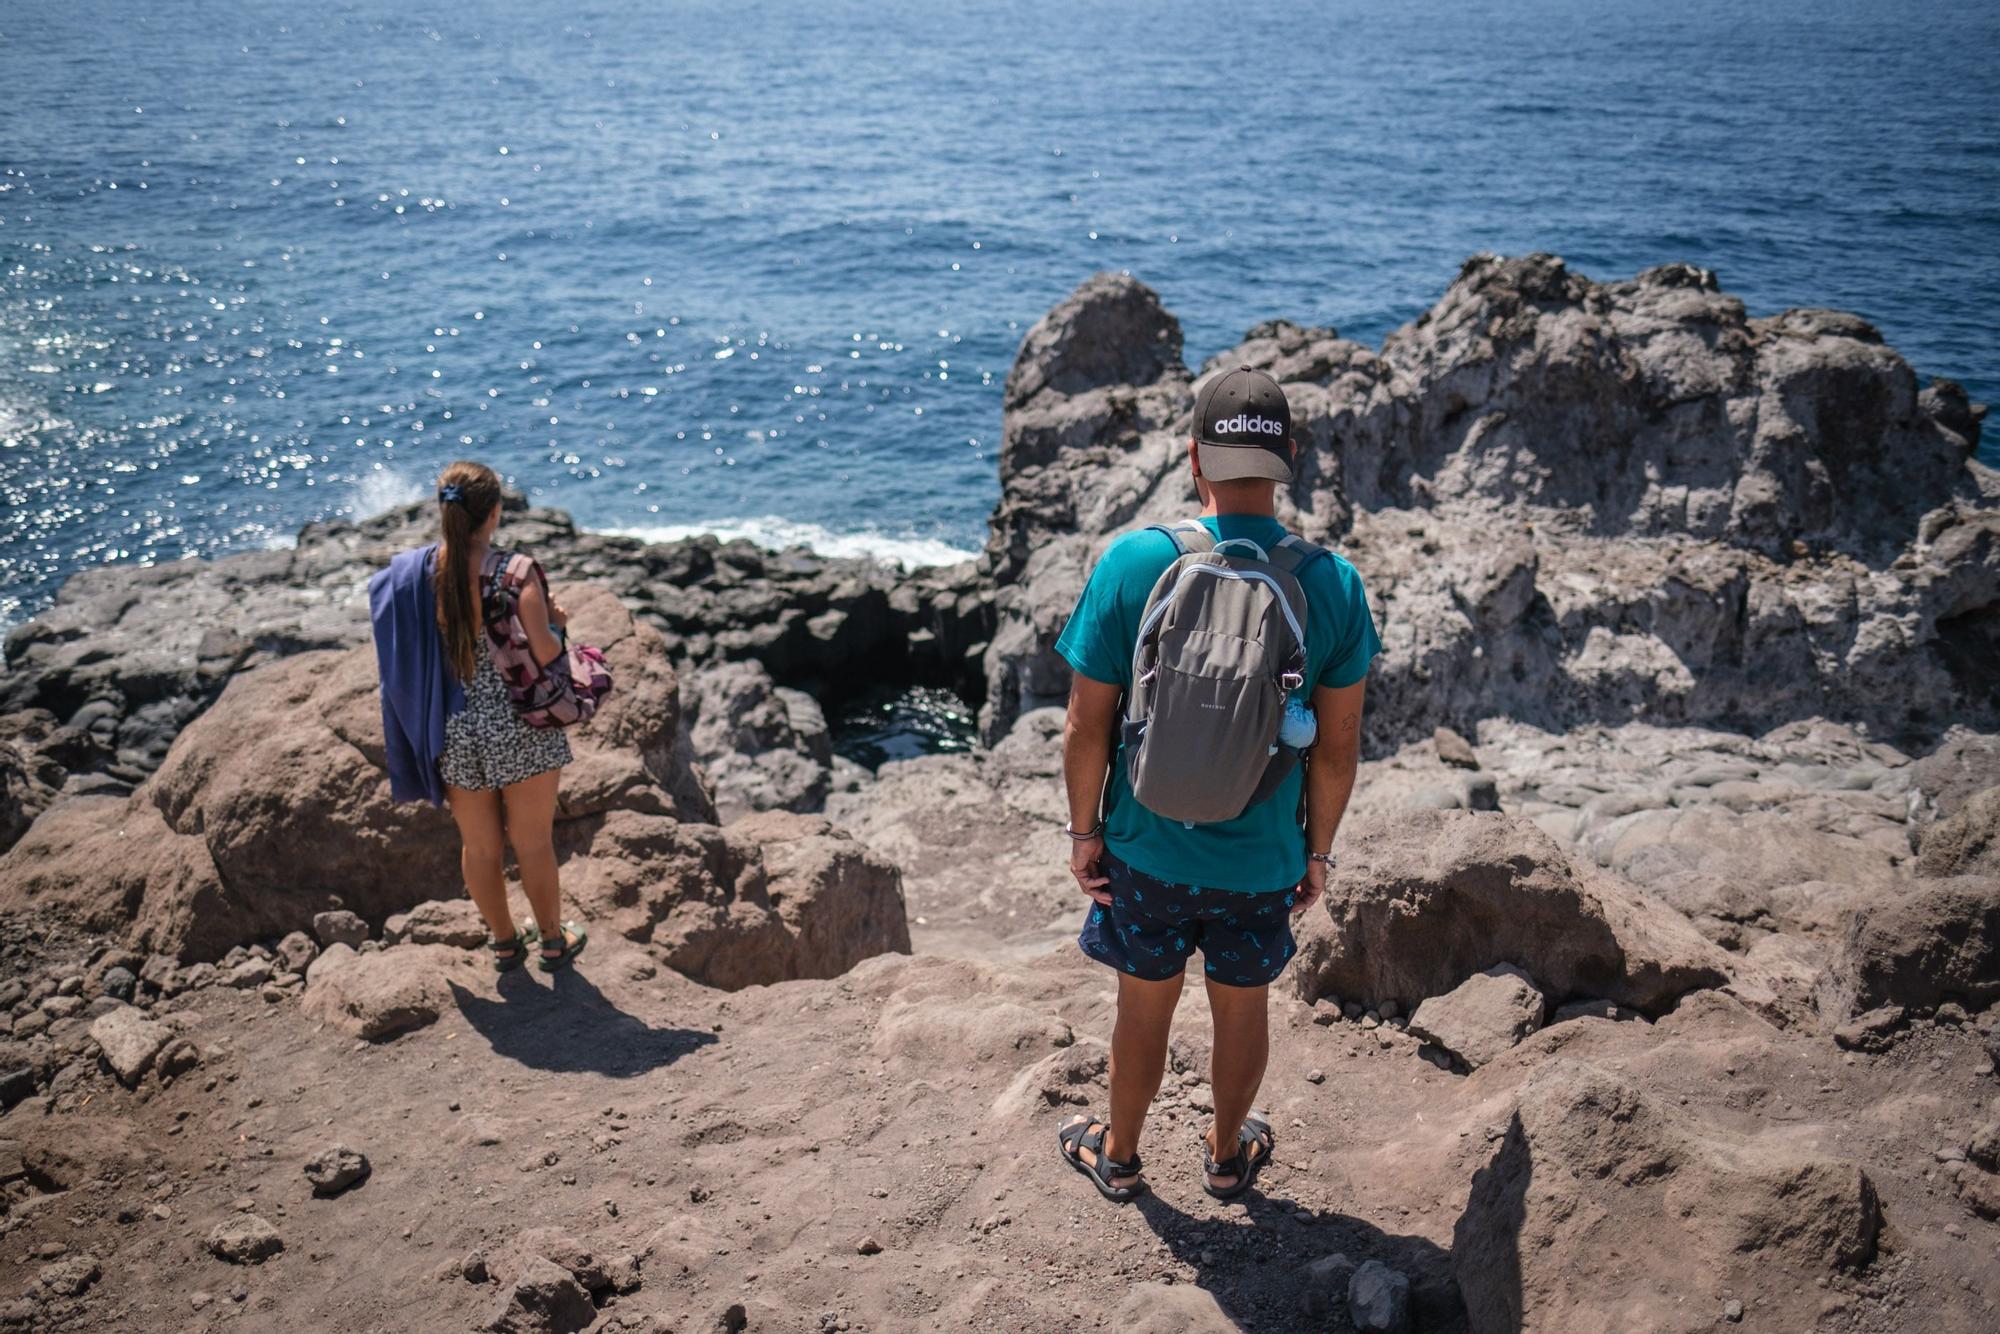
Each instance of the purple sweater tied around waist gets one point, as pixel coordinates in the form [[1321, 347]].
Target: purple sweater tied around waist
[[419, 689]]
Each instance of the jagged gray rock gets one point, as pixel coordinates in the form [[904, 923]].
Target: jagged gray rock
[[1571, 500]]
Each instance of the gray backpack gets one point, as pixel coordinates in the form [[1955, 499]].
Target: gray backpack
[[1221, 645]]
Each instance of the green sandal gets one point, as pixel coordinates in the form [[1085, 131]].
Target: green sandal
[[574, 939], [519, 945]]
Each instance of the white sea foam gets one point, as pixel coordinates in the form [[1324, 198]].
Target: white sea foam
[[383, 489], [776, 534]]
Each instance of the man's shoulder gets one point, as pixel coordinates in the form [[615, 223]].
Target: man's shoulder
[[1331, 572], [1138, 550]]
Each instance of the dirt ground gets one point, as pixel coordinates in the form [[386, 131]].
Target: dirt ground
[[877, 1153]]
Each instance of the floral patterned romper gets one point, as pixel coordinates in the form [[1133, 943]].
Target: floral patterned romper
[[486, 745]]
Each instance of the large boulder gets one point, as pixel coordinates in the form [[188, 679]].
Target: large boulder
[[1423, 900], [1593, 1167], [1090, 441], [1936, 941], [1965, 843], [273, 806]]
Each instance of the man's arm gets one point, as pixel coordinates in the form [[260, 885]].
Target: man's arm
[[1088, 734], [1329, 777]]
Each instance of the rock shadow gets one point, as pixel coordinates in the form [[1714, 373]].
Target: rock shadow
[[1486, 1242], [1254, 1261], [570, 1027]]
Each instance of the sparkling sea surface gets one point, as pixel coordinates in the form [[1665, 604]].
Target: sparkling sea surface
[[762, 268]]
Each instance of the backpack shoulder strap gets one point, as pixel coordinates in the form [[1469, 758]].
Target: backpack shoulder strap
[[1187, 535], [1294, 554]]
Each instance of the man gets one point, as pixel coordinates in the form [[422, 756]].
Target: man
[[1162, 888]]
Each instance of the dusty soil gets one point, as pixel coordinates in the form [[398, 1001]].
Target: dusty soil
[[747, 1149]]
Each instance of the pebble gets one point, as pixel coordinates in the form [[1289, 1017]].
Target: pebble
[[1315, 1076], [335, 1168], [868, 1246], [246, 1239], [1732, 1310]]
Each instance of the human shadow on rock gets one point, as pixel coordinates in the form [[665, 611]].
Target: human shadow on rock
[[571, 1027], [1256, 1261], [1486, 1242]]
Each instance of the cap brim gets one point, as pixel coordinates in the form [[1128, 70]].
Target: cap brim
[[1234, 463]]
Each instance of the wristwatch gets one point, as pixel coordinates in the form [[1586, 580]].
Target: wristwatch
[[1325, 857]]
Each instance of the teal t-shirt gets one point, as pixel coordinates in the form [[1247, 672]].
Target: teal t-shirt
[[1264, 848]]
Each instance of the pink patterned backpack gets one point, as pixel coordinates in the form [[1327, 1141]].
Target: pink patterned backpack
[[566, 691]]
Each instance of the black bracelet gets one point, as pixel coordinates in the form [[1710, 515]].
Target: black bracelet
[[1087, 834]]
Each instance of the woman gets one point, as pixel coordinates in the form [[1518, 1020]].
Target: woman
[[451, 730]]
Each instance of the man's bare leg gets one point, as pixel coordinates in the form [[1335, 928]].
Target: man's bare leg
[[1138, 1060], [1235, 1065]]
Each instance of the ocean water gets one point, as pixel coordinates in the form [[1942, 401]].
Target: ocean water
[[763, 267]]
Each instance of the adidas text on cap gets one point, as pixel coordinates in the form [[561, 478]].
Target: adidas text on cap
[[1243, 427]]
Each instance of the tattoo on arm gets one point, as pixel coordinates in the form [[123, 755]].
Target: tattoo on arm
[[1350, 722]]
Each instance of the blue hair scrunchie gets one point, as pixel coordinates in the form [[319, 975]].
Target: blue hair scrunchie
[[449, 492]]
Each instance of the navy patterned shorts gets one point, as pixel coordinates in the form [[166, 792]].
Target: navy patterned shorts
[[1152, 927]]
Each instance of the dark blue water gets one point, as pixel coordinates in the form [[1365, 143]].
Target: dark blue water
[[765, 266]]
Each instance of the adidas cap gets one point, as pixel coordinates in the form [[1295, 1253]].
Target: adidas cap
[[1243, 427]]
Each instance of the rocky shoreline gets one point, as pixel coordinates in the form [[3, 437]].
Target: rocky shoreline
[[1659, 987]]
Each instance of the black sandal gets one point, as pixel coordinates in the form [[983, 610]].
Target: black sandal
[[1073, 1138], [573, 938], [519, 945], [1256, 1133]]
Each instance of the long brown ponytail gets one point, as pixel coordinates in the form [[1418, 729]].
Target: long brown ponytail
[[467, 495]]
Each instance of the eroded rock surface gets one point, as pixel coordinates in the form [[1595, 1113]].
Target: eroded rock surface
[[1572, 501]]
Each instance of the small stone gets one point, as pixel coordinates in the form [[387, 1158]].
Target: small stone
[[1454, 749], [1732, 1311], [119, 982], [1984, 1146], [1950, 1153], [245, 1240], [1315, 1076], [545, 1299], [332, 1170], [250, 973], [201, 1301], [623, 1271], [1378, 1300], [16, 1085], [340, 928], [1353, 1009], [1870, 1032], [1388, 1009], [868, 1246], [297, 951], [69, 1278], [128, 1042], [176, 1059], [473, 1267], [1322, 1285]]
